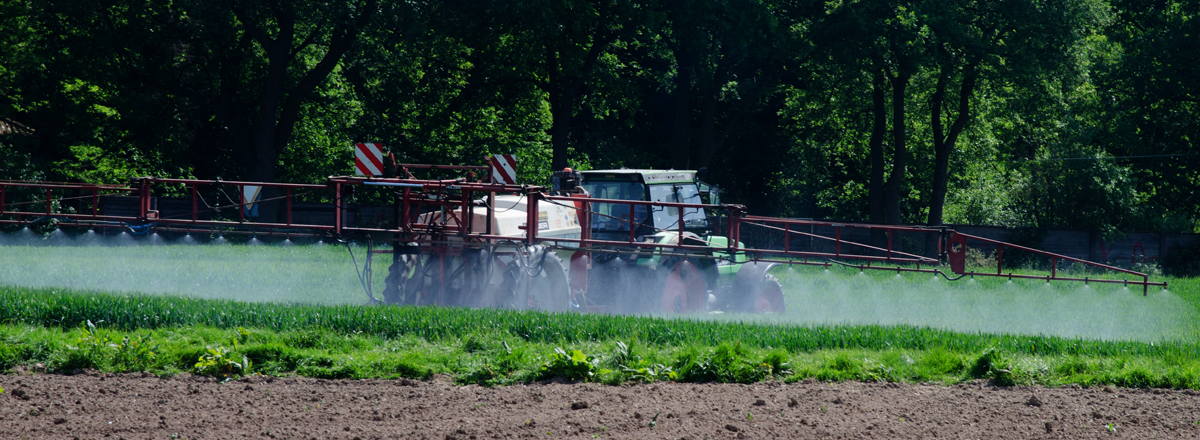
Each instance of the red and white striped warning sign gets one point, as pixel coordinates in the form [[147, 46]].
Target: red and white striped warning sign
[[368, 159], [504, 169]]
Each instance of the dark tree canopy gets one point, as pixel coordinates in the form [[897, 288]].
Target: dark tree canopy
[[1045, 113]]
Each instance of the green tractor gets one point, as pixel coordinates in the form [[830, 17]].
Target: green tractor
[[650, 248], [705, 277]]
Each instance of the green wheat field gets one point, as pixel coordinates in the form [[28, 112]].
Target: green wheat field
[[231, 310]]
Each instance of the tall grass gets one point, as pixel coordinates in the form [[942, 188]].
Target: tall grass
[[319, 274], [70, 309], [840, 297], [1062, 308]]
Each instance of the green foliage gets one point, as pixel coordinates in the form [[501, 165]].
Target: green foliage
[[134, 354], [1049, 95], [358, 356], [941, 362], [10, 355], [95, 349], [271, 358], [219, 362], [63, 308], [992, 364], [630, 365], [727, 363], [1075, 366], [842, 367], [572, 365]]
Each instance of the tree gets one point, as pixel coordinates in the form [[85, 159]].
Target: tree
[[883, 42], [729, 57], [1149, 79], [449, 86], [253, 64], [1004, 42]]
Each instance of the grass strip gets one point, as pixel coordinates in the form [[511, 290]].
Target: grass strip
[[71, 309], [499, 359]]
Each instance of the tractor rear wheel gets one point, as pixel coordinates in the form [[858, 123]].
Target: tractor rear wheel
[[754, 290], [682, 286]]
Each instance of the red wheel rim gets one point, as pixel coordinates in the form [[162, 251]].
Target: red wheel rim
[[683, 291], [769, 299]]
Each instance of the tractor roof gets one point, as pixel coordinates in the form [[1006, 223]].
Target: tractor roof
[[647, 176]]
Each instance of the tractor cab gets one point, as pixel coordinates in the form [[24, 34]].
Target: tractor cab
[[611, 221]]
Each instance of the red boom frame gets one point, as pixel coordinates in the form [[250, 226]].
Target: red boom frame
[[415, 196]]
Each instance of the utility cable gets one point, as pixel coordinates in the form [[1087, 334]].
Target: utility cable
[[1063, 159]]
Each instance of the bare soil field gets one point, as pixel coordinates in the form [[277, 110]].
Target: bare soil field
[[99, 406]]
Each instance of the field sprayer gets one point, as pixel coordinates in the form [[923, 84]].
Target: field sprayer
[[606, 241]]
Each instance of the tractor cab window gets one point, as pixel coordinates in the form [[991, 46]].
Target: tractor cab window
[[668, 217], [615, 216]]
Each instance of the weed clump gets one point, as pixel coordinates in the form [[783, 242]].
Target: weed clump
[[220, 362], [992, 364], [94, 349], [573, 365], [729, 363]]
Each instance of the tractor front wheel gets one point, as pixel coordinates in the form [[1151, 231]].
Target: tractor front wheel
[[769, 298], [682, 286]]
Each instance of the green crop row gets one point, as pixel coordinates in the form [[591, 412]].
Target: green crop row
[[499, 359], [72, 309]]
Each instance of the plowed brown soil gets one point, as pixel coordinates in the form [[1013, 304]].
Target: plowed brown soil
[[146, 407]]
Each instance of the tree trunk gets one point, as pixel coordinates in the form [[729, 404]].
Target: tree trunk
[[941, 163], [563, 89], [891, 193], [875, 145], [944, 145], [279, 108], [681, 117], [709, 142], [560, 130]]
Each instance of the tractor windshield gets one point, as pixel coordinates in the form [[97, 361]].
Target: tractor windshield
[[668, 217], [615, 216]]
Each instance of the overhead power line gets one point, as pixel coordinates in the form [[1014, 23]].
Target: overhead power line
[[1061, 159]]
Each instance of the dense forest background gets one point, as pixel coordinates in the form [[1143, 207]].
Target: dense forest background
[[1043, 113]]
